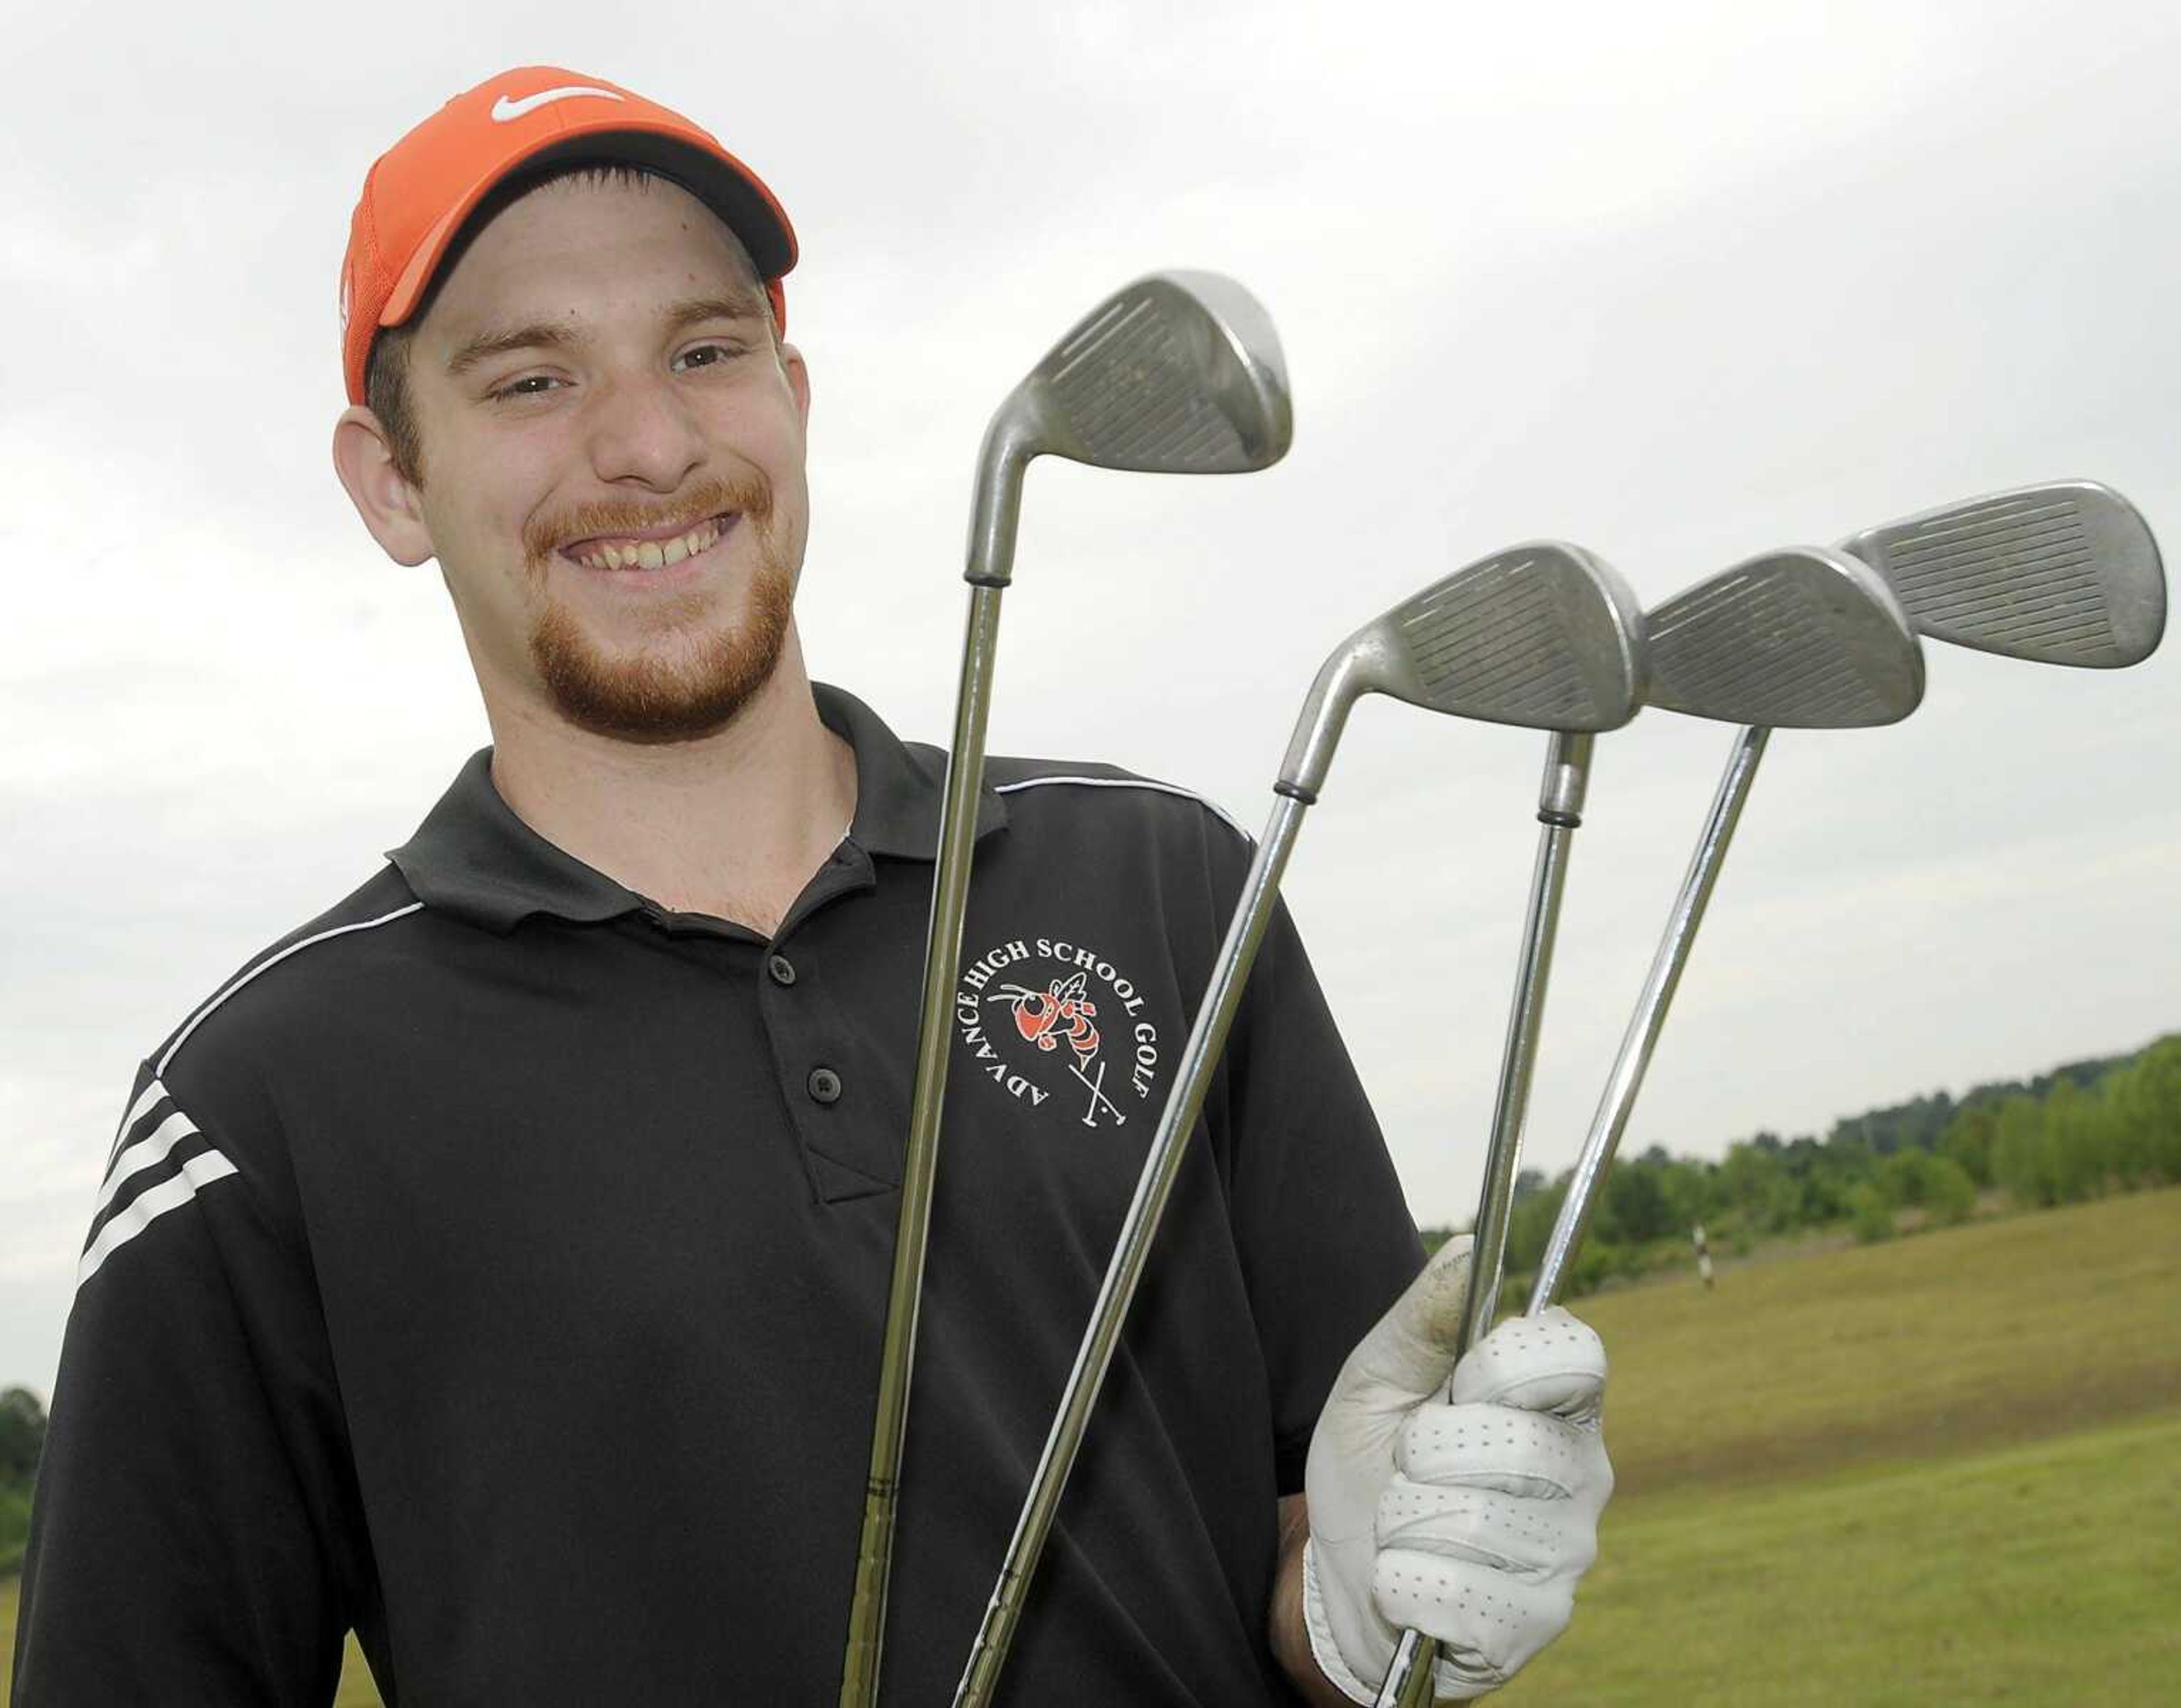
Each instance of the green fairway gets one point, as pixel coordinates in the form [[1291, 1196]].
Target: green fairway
[[2013, 1330], [1942, 1469], [2045, 1574]]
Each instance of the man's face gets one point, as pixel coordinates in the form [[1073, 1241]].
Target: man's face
[[613, 451]]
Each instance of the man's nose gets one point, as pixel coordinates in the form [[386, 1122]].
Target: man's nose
[[641, 430]]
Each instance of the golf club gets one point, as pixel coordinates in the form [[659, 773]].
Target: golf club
[[1804, 638], [1177, 373], [2065, 572], [1542, 635]]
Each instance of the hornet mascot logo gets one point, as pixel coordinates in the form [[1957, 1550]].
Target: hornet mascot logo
[[1061, 1013]]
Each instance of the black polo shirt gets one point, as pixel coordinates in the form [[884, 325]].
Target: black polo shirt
[[496, 1266]]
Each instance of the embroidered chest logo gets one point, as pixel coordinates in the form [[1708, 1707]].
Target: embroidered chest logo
[[1041, 1017]]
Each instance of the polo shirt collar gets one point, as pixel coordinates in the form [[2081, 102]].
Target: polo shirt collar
[[473, 857]]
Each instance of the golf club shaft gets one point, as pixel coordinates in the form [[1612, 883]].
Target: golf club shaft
[[1642, 1036], [1559, 812], [1408, 1680], [1253, 913], [942, 951]]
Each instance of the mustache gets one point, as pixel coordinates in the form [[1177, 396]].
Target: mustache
[[544, 535]]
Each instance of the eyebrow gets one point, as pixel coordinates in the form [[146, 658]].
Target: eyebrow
[[545, 334]]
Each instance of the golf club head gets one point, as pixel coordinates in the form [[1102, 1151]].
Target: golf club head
[[1803, 638], [1545, 635], [1177, 373], [2064, 572]]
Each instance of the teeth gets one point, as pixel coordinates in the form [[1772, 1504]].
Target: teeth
[[651, 554]]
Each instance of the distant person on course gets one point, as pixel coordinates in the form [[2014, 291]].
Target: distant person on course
[[495, 1266]]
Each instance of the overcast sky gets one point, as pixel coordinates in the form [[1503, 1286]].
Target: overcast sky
[[1677, 281]]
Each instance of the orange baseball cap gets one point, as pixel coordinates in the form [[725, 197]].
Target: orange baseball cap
[[417, 194]]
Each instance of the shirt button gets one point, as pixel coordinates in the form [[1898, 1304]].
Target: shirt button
[[781, 969], [825, 1085]]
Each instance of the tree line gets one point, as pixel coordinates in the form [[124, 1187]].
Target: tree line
[[2080, 1130], [22, 1440]]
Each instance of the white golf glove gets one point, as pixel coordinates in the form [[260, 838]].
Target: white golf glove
[[1469, 1514]]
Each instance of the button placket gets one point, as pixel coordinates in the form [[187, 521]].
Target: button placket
[[818, 1034], [823, 1083]]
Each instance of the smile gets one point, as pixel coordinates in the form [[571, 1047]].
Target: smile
[[637, 553]]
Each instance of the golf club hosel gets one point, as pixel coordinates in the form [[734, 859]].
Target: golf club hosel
[[1339, 685], [996, 509], [1566, 781]]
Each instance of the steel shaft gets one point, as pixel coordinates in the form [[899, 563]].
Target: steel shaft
[[1408, 1680], [1559, 812], [1642, 1036], [942, 951]]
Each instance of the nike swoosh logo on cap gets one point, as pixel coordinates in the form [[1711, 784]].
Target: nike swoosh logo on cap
[[505, 111]]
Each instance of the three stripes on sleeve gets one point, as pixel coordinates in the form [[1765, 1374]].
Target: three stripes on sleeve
[[160, 1162]]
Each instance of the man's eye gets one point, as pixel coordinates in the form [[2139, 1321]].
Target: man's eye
[[530, 385], [707, 355]]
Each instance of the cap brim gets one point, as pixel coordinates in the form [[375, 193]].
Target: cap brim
[[714, 177]]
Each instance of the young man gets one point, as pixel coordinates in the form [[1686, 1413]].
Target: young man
[[496, 1266]]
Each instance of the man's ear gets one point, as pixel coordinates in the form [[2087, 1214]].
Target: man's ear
[[387, 503], [798, 379]]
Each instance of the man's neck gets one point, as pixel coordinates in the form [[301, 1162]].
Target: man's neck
[[732, 825]]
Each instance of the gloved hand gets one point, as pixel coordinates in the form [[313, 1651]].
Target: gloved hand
[[1468, 1514]]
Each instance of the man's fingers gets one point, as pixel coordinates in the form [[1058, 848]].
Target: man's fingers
[[1470, 1522], [1551, 1363], [1517, 1537], [1527, 1453], [1487, 1623]]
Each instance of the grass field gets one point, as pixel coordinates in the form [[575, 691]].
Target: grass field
[[1945, 1469], [2045, 1574], [2011, 1330]]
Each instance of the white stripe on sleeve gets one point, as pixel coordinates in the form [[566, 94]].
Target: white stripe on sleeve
[[140, 1108], [137, 1111], [150, 1149], [200, 1171]]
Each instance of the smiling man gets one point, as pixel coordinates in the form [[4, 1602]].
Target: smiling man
[[496, 1266]]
